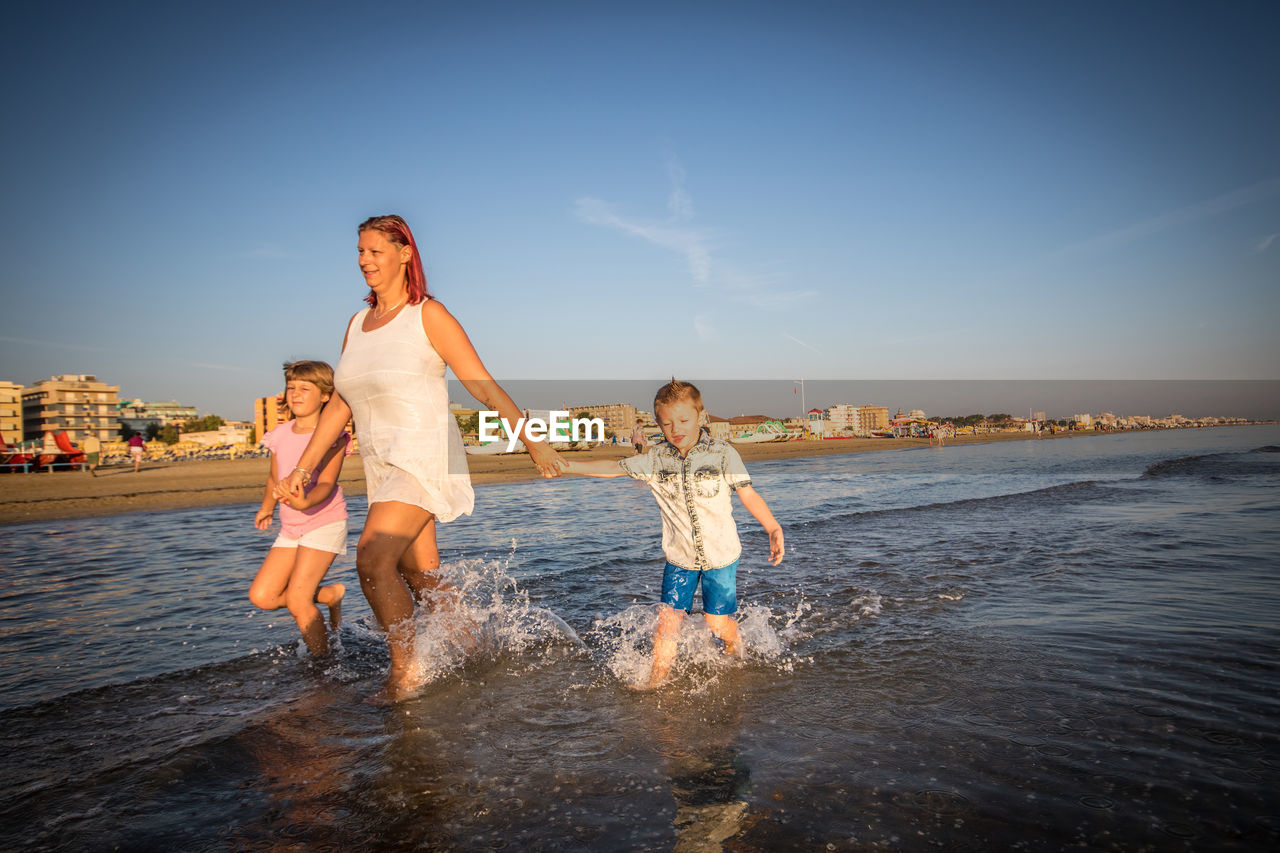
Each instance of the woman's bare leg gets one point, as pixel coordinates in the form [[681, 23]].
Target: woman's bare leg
[[420, 563], [390, 529], [420, 567]]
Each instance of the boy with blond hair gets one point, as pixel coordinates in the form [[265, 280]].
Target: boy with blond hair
[[691, 475]]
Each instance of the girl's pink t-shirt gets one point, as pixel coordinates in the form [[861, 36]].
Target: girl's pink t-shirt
[[287, 447]]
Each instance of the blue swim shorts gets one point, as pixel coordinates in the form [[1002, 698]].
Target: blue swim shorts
[[719, 588]]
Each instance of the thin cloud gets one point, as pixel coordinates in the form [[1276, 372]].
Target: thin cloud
[[1265, 243], [809, 347], [696, 245], [689, 242], [1176, 218], [679, 204]]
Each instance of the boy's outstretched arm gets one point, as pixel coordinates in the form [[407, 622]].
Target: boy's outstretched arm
[[593, 468], [757, 507]]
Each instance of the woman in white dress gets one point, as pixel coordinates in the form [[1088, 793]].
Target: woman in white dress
[[390, 381]]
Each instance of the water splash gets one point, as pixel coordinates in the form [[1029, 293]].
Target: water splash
[[480, 612], [625, 644]]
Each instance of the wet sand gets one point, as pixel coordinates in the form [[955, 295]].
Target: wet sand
[[182, 485]]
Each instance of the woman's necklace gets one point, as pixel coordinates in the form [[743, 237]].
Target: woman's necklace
[[378, 314]]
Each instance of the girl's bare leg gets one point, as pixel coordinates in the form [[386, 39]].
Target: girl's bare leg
[[390, 529], [664, 643], [309, 567], [726, 628], [267, 590], [331, 596]]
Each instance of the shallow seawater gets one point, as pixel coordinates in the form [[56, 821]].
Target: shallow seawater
[[1030, 645]]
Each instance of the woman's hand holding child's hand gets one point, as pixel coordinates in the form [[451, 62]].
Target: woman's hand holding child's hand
[[287, 493], [545, 457]]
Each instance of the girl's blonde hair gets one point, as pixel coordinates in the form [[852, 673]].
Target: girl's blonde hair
[[318, 373]]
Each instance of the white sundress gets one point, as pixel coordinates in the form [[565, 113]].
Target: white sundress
[[393, 380]]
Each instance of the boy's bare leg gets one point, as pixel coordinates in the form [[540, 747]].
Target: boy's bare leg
[[664, 643], [331, 596], [726, 628]]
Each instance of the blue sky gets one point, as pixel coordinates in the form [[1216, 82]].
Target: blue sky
[[739, 190]]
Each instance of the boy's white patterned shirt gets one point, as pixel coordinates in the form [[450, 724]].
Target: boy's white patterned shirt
[[698, 531]]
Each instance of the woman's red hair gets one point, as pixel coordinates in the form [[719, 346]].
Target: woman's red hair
[[397, 231]]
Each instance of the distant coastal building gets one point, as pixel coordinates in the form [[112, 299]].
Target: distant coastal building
[[718, 427], [138, 416], [619, 418], [842, 416], [78, 404], [269, 413], [743, 424], [860, 420], [871, 418], [234, 433], [11, 412]]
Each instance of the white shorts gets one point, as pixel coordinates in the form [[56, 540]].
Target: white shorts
[[332, 537]]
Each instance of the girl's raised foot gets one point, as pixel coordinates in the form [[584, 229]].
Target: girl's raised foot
[[331, 596]]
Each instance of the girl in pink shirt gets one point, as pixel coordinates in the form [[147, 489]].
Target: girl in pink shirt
[[313, 524]]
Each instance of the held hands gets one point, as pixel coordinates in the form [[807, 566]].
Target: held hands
[[549, 463], [263, 519], [776, 546], [290, 488]]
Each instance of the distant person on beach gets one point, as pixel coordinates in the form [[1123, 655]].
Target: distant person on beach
[[390, 380], [137, 446], [92, 447], [313, 523], [691, 475]]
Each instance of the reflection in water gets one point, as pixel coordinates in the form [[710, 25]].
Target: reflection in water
[[710, 790], [708, 775]]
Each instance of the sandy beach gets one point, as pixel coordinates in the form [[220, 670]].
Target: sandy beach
[[182, 485]]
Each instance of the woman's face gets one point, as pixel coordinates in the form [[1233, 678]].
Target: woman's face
[[382, 262]]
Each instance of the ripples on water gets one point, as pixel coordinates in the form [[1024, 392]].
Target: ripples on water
[[1042, 644]]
